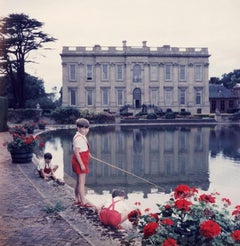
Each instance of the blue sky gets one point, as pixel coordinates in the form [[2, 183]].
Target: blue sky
[[181, 23]]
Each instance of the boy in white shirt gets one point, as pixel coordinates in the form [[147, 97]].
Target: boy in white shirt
[[45, 168]]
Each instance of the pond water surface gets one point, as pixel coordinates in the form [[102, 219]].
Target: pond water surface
[[152, 160]]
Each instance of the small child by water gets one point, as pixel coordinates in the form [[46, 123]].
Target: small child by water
[[46, 169]]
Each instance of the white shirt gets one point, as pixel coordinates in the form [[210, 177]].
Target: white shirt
[[80, 141], [42, 163]]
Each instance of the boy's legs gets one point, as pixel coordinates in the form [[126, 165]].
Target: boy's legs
[[55, 167], [82, 187], [40, 174], [77, 189]]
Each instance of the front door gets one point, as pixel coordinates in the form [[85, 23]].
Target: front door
[[137, 98]]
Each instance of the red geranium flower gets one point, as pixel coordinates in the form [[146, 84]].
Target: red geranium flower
[[183, 204], [227, 201], [184, 191], [236, 212], [42, 144], [133, 216], [155, 216], [167, 206], [207, 198], [167, 222], [210, 229], [236, 235], [238, 207], [169, 242], [150, 229]]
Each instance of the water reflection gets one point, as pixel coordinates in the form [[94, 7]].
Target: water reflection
[[226, 140], [166, 156]]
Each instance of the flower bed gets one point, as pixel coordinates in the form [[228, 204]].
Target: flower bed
[[188, 218]]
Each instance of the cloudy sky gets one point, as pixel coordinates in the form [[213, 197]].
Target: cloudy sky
[[180, 23]]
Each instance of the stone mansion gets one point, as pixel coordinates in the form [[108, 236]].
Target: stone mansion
[[99, 78]]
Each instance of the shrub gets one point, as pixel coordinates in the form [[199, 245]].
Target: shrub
[[170, 115], [139, 114], [19, 115], [126, 114], [104, 117], [189, 219], [151, 116], [66, 115], [185, 113]]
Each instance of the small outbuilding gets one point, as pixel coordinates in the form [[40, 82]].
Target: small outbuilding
[[221, 99]]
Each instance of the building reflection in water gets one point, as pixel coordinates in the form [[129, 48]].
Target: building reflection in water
[[164, 156]]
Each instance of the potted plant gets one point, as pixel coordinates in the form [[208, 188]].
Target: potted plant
[[20, 130], [21, 146], [42, 124], [188, 218], [30, 127]]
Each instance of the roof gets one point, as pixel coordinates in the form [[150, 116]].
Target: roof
[[219, 91]]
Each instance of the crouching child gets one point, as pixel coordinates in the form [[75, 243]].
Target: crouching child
[[45, 167]]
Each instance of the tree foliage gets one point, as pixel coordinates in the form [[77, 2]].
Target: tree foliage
[[35, 94], [229, 80], [19, 36]]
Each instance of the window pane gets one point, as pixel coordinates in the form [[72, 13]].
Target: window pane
[[72, 94], [89, 97], [105, 71], [89, 72], [72, 72], [168, 72], [153, 73], [182, 96], [198, 73], [120, 97], [105, 97], [168, 96], [182, 73], [119, 72], [154, 97], [198, 97], [137, 73]]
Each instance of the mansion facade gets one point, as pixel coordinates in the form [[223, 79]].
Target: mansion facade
[[99, 78]]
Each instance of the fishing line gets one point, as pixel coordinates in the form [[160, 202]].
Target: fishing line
[[132, 174]]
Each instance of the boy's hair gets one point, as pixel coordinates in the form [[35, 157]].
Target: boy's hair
[[82, 122], [118, 193], [47, 156]]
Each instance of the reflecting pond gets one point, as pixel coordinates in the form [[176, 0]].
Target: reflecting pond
[[152, 160]]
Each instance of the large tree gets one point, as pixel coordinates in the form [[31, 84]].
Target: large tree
[[19, 35]]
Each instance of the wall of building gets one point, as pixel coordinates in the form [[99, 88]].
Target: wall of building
[[152, 83]]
